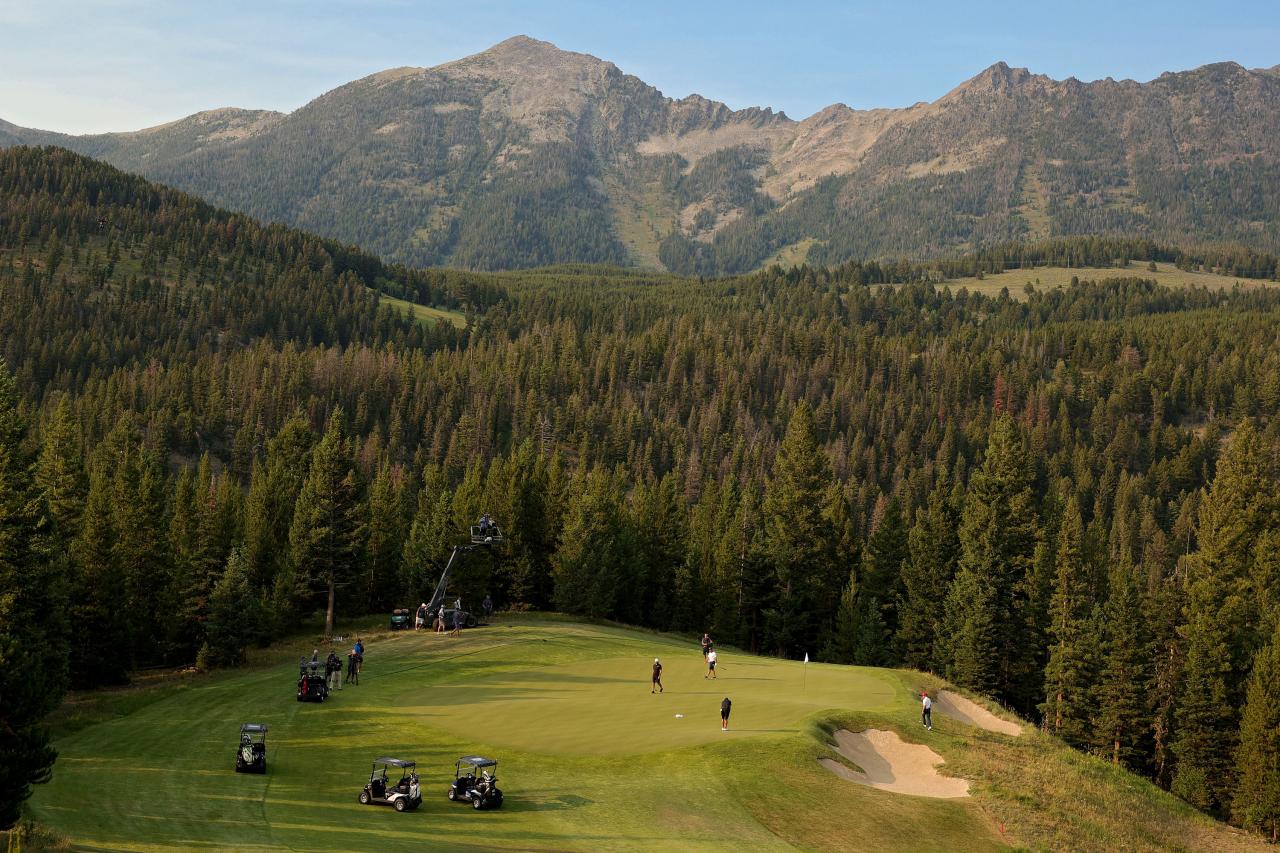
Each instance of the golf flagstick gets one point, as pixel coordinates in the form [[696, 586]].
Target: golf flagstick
[[804, 680]]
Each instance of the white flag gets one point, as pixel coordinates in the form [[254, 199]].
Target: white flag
[[806, 657]]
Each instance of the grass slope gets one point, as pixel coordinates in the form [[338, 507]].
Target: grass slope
[[1044, 278], [424, 313], [590, 759]]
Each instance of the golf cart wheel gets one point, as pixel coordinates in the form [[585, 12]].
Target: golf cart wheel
[[401, 804], [364, 798], [453, 795], [477, 803]]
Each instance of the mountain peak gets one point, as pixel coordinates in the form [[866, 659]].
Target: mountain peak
[[523, 53], [521, 44], [999, 80]]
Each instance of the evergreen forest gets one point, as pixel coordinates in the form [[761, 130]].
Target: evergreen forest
[[212, 429]]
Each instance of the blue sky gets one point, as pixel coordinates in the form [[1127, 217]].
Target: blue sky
[[95, 65]]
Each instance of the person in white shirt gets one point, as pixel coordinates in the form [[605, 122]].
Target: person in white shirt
[[926, 713], [711, 664]]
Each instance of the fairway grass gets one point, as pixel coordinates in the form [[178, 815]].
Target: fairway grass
[[589, 758]]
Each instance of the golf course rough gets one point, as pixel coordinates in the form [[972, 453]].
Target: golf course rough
[[588, 758]]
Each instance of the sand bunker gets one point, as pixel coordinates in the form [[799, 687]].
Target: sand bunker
[[891, 764], [967, 711]]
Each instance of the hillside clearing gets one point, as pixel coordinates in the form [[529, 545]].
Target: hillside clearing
[[424, 313], [1046, 278]]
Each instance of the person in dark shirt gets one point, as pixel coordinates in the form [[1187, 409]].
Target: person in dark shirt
[[332, 666], [657, 676], [353, 671], [725, 707], [706, 644]]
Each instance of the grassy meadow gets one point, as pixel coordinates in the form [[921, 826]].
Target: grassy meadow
[[1047, 278], [425, 313]]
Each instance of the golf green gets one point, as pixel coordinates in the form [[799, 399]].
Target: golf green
[[589, 758], [606, 707]]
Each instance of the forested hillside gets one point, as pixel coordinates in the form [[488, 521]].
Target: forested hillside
[[526, 155], [1067, 502]]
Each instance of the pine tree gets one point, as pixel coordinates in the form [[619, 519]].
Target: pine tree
[[427, 546], [33, 670], [881, 578], [871, 635], [659, 522], [1221, 628], [273, 490], [798, 544], [1256, 801], [1204, 738], [100, 643], [141, 551], [844, 645], [998, 535], [969, 633], [594, 547], [61, 477], [1122, 719], [387, 531], [530, 540], [326, 535], [1069, 677], [235, 613], [933, 548]]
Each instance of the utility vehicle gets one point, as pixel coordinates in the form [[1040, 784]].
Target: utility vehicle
[[475, 781], [251, 755], [404, 795]]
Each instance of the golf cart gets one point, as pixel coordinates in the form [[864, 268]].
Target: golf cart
[[404, 795], [401, 619], [251, 757], [311, 686], [475, 781]]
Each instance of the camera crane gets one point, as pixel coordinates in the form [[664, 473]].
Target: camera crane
[[483, 536]]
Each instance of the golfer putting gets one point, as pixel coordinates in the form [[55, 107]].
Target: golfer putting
[[725, 707]]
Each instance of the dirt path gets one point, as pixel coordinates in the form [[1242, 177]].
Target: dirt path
[[891, 764], [971, 713]]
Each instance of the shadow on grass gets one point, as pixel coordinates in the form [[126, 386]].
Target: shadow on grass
[[536, 802]]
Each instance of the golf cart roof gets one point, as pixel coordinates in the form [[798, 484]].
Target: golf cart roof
[[477, 761], [253, 727], [395, 762]]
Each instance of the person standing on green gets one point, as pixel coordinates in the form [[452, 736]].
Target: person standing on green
[[725, 707], [657, 676]]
